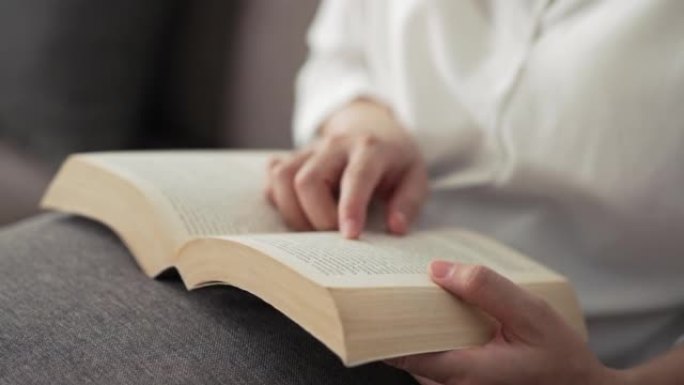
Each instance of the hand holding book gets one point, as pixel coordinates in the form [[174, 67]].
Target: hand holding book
[[531, 341]]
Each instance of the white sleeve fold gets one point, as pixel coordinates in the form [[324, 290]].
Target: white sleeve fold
[[336, 71]]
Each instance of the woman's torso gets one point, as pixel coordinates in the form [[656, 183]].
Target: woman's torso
[[558, 128]]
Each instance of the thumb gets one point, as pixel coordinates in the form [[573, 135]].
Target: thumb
[[516, 309]]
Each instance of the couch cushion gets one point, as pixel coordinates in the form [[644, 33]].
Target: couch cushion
[[77, 310]]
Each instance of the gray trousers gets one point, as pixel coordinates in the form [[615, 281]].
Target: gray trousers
[[75, 309]]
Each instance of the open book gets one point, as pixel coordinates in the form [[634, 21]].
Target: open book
[[204, 213]]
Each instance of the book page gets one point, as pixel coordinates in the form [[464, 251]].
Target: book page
[[379, 259], [210, 192]]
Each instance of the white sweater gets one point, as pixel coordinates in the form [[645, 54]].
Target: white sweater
[[555, 126]]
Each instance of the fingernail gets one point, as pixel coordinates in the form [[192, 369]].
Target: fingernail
[[399, 224], [441, 269], [349, 228]]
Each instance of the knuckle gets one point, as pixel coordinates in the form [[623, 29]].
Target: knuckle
[[368, 140], [304, 179], [333, 141], [284, 171]]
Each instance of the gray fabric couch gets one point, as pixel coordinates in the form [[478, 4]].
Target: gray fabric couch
[[84, 75], [75, 309]]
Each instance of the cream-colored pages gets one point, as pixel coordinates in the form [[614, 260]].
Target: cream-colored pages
[[209, 192], [382, 260]]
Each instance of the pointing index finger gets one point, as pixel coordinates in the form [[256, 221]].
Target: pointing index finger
[[359, 180]]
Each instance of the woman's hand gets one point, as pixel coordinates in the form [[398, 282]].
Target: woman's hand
[[361, 153], [532, 345]]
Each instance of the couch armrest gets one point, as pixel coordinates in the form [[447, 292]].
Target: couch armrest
[[22, 181]]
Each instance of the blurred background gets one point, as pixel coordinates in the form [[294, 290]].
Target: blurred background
[[91, 75]]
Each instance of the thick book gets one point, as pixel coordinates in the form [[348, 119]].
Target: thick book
[[204, 213]]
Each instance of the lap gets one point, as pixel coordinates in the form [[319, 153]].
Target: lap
[[75, 308]]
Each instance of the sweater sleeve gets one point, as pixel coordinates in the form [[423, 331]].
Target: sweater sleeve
[[335, 72]]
